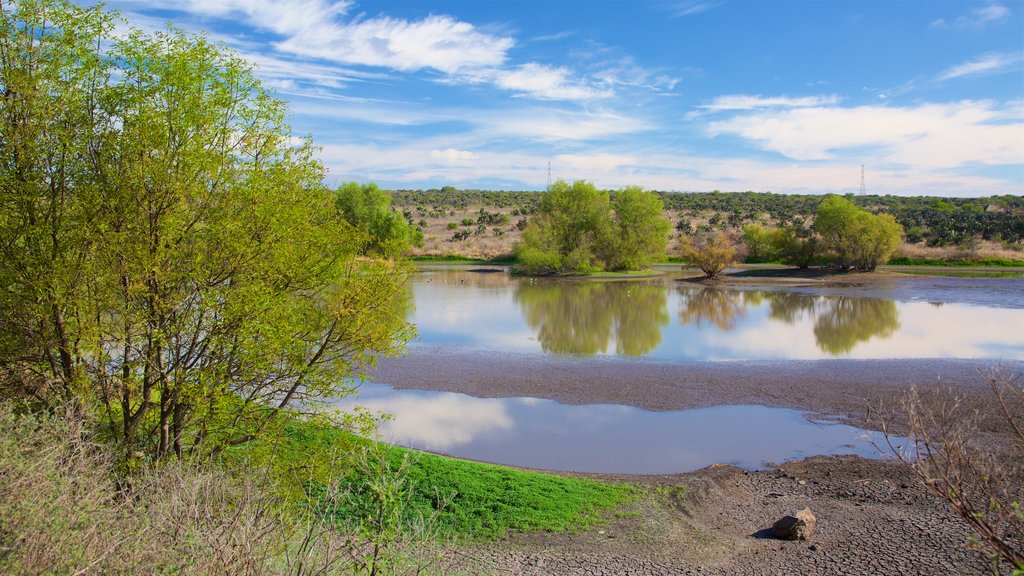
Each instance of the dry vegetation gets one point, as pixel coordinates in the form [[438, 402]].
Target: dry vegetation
[[437, 238], [954, 456], [63, 510]]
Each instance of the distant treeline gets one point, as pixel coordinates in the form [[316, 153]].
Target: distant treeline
[[929, 219]]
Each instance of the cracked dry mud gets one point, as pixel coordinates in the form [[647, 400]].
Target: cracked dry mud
[[873, 518]]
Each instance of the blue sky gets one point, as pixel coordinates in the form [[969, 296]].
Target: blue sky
[[671, 95]]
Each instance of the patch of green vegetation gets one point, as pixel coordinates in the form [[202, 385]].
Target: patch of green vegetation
[[480, 501], [979, 263]]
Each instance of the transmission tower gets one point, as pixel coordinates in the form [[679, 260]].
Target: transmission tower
[[863, 188], [549, 175]]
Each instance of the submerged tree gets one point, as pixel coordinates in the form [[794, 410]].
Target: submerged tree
[[170, 258]]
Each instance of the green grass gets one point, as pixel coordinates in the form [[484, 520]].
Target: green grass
[[963, 273], [980, 262], [490, 500], [484, 501]]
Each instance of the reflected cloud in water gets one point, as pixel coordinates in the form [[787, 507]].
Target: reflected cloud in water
[[495, 312], [543, 434], [436, 421]]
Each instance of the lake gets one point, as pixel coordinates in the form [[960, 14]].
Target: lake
[[555, 373]]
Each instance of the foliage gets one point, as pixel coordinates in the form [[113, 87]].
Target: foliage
[[983, 482], [979, 262], [640, 230], [992, 218], [711, 253], [368, 209], [569, 233], [855, 238], [170, 259], [578, 229], [67, 509]]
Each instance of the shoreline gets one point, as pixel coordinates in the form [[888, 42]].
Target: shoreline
[[845, 389]]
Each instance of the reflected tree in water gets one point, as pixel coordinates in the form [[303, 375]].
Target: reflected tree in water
[[790, 306], [840, 323], [846, 322], [584, 317], [720, 308]]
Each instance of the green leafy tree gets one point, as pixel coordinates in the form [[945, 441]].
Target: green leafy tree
[[572, 225], [368, 209], [640, 228], [170, 259], [854, 237]]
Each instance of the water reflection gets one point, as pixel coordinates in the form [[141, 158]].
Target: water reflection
[[847, 322], [605, 438], [494, 312], [714, 306], [583, 318]]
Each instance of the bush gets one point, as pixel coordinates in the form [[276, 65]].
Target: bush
[[579, 230], [712, 253], [855, 238]]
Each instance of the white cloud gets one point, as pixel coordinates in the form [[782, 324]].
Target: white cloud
[[930, 136], [540, 124], [546, 82], [992, 13], [453, 155], [316, 28], [749, 102], [438, 42], [987, 64], [414, 166]]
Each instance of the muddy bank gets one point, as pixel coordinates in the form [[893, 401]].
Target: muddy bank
[[844, 388], [872, 518]]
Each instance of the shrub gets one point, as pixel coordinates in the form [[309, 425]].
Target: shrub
[[711, 253]]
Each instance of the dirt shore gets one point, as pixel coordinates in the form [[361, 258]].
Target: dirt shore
[[874, 517], [848, 389]]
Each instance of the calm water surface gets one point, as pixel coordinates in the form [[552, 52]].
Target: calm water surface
[[666, 319], [546, 435]]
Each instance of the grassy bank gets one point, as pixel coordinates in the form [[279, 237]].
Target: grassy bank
[[965, 263], [477, 501], [315, 500]]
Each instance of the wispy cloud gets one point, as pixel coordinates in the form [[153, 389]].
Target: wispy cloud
[[538, 124], [980, 17], [987, 64], [932, 136], [682, 8], [539, 81], [748, 102]]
